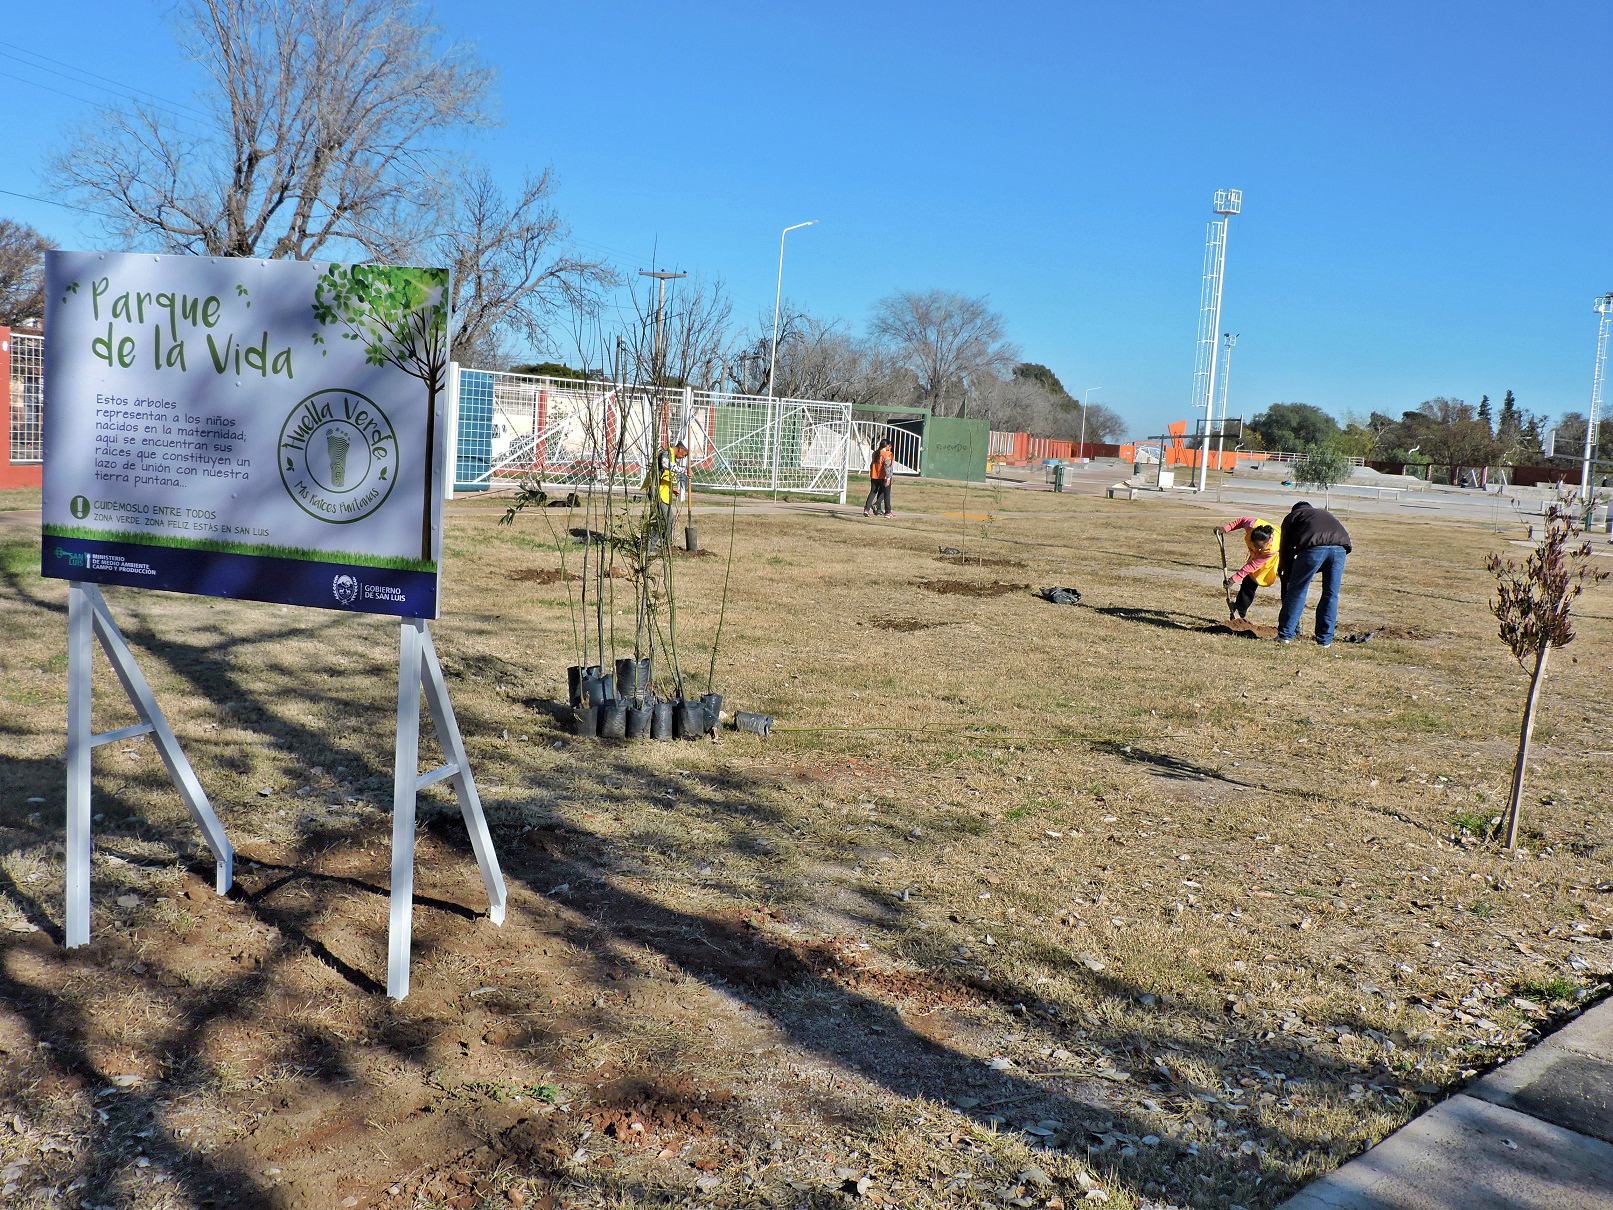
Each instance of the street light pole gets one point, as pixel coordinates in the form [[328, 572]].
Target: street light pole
[[1230, 339], [772, 362], [1086, 398]]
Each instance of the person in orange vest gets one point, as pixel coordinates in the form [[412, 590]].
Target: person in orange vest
[[1262, 540], [879, 479]]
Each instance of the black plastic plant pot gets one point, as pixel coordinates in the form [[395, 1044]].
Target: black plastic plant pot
[[613, 721], [691, 719], [593, 690], [608, 681], [574, 684], [640, 718], [627, 678], [632, 678], [755, 724], [711, 703], [585, 722], [691, 539], [661, 728]]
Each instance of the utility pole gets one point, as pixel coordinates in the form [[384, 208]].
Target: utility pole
[[1604, 311], [662, 276], [658, 363]]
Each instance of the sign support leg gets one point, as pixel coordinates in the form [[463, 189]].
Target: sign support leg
[[87, 615], [405, 788], [470, 802], [419, 668], [79, 740]]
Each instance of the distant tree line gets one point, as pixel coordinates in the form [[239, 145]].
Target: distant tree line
[[1441, 431]]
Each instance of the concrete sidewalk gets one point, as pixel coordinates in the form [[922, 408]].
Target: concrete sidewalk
[[1535, 1133]]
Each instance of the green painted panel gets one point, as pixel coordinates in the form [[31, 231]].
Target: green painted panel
[[955, 448]]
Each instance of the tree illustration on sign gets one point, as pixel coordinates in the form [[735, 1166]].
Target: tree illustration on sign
[[401, 316]]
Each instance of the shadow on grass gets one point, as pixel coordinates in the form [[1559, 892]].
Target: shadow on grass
[[806, 999]]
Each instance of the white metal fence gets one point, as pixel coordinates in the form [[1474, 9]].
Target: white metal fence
[[565, 432], [1291, 456], [907, 447], [27, 393]]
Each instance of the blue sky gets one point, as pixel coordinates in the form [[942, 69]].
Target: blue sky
[[1427, 186]]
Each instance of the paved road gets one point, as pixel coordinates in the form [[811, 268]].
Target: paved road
[[1269, 497]]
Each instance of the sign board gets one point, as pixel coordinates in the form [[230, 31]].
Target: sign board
[[264, 430]]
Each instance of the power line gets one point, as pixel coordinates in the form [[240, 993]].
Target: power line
[[129, 88], [46, 201], [99, 104]]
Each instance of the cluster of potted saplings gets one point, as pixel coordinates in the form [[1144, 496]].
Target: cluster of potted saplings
[[624, 705]]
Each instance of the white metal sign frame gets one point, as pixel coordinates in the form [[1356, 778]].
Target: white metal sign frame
[[89, 618]]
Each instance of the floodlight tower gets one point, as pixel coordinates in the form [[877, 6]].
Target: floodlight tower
[[1604, 310], [1227, 203]]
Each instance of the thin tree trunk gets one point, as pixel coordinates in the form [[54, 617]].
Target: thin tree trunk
[[1515, 807]]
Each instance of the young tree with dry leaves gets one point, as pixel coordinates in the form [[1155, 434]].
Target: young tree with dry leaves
[[1534, 605]]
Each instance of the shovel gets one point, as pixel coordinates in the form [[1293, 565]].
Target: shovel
[[1226, 591]]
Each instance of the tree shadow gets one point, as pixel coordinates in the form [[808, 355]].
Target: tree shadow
[[1165, 765], [810, 1001]]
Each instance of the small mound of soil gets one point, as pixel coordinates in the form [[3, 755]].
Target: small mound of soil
[[905, 625], [961, 560], [702, 553], [1404, 632], [634, 1110], [544, 575], [970, 588], [1245, 628]]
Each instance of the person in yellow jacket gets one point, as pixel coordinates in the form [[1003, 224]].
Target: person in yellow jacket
[[660, 486], [1262, 540]]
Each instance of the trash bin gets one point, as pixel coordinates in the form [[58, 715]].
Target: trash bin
[[1058, 477]]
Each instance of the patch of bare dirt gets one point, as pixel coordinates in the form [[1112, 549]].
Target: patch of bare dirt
[[906, 625], [970, 588], [702, 553], [544, 575], [961, 560], [1244, 628]]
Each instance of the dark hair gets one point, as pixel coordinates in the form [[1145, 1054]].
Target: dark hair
[[1262, 533]]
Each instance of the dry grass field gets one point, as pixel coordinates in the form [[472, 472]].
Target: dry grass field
[[1021, 904]]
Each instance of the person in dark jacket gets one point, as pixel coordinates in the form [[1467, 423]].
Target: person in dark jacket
[[1314, 544]]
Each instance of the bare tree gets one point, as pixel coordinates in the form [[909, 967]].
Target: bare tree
[[315, 133], [698, 332], [1534, 605], [511, 270], [950, 342], [22, 273]]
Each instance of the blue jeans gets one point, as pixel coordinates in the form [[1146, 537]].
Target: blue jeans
[[1329, 562]]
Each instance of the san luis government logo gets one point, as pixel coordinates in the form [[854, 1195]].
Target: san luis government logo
[[338, 456]]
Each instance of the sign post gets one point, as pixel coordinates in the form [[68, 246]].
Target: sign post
[[258, 430]]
